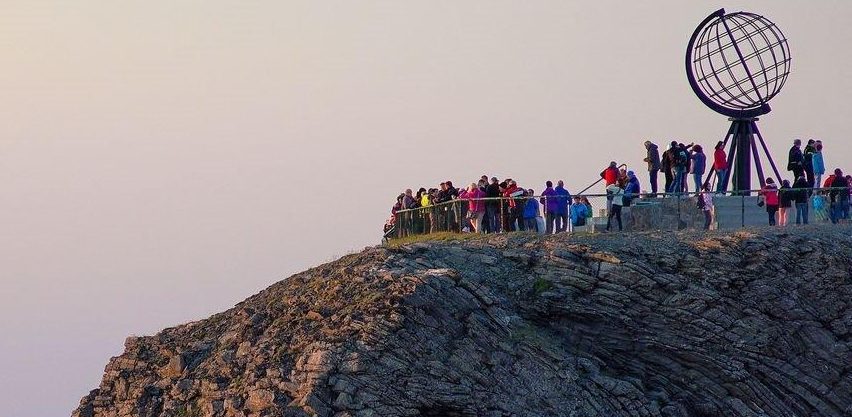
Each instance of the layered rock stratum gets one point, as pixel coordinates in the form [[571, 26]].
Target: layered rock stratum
[[748, 323]]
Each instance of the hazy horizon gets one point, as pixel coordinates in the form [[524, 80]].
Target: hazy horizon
[[162, 161]]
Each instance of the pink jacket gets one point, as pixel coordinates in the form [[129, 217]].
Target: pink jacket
[[473, 204]]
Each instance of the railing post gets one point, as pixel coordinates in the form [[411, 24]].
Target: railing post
[[742, 210], [502, 223]]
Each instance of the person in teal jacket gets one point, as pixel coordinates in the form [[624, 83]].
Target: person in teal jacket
[[819, 164], [578, 212]]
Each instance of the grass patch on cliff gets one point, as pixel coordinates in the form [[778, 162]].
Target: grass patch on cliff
[[432, 237], [541, 285]]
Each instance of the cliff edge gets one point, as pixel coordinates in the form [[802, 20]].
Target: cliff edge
[[748, 323]]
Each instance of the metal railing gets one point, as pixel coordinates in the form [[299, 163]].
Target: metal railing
[[661, 211]]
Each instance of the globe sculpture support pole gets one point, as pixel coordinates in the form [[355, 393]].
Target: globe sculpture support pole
[[736, 63]]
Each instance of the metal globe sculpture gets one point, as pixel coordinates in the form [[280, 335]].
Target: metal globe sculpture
[[738, 62], [735, 64]]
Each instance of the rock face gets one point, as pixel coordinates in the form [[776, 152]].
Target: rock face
[[751, 323]]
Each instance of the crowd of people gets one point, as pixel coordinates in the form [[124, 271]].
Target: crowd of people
[[807, 167], [493, 206]]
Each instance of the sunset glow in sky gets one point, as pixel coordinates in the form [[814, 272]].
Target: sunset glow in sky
[[160, 161]]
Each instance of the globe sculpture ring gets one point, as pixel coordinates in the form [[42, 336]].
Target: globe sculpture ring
[[737, 62]]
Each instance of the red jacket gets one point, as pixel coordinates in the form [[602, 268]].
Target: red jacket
[[508, 193], [770, 193], [720, 160], [610, 175]]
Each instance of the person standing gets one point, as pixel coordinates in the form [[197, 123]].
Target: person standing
[[720, 165], [770, 197], [514, 219], [610, 174], [531, 211], [631, 190], [667, 165], [492, 206], [653, 159], [705, 202], [795, 160], [819, 164], [839, 196], [698, 166], [551, 205], [785, 201], [563, 200], [615, 209], [808, 161], [802, 192], [681, 165], [475, 206], [577, 213]]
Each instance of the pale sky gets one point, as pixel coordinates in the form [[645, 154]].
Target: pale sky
[[160, 161]]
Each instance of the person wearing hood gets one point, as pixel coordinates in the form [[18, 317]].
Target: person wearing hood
[[653, 159], [632, 189]]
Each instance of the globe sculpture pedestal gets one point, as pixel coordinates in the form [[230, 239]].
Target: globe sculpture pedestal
[[742, 138], [735, 64]]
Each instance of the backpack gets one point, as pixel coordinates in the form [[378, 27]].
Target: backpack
[[681, 158]]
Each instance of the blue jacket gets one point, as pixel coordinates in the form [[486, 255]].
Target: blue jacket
[[577, 211], [819, 164], [699, 163], [562, 197], [633, 188], [531, 209]]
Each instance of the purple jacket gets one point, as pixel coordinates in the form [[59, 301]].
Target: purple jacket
[[549, 200]]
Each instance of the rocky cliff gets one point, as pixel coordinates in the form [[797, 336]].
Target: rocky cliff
[[750, 323]]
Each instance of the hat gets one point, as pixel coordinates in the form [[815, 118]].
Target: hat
[[630, 174]]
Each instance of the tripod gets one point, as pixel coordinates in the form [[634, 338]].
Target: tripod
[[743, 147]]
